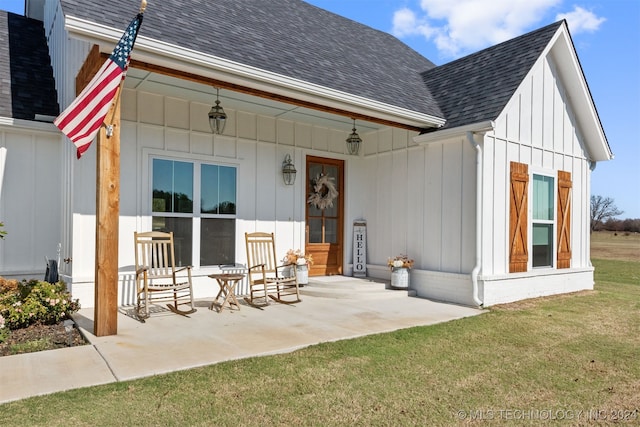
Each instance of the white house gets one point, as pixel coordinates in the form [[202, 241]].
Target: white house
[[478, 169]]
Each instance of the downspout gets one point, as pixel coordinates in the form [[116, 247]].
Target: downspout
[[476, 270], [592, 167]]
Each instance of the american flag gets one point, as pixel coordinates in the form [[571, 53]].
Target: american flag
[[82, 120]]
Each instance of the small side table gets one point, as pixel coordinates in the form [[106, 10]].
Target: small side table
[[227, 283]]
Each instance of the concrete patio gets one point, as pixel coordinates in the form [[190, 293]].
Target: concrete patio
[[332, 308]]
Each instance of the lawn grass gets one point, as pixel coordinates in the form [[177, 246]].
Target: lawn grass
[[529, 361], [615, 245]]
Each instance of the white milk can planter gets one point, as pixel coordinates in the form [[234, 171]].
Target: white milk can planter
[[302, 270], [400, 277]]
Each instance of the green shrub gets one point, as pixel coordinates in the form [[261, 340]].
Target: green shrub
[[4, 331], [35, 301]]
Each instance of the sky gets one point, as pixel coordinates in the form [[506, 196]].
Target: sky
[[605, 33]]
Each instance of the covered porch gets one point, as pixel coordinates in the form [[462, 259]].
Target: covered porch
[[168, 342]]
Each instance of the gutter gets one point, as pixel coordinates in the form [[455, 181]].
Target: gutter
[[592, 167], [29, 125], [170, 55], [468, 130], [439, 135], [476, 269]]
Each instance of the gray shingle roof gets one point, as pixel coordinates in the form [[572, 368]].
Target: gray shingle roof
[[302, 41], [288, 37], [27, 86], [476, 88]]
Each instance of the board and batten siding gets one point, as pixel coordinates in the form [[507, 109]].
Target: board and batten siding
[[420, 201], [170, 127], [77, 196], [422, 204], [30, 208], [537, 128]]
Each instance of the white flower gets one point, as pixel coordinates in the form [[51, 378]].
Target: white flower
[[301, 261], [398, 263]]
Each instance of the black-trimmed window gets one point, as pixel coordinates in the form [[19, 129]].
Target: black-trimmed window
[[197, 201]]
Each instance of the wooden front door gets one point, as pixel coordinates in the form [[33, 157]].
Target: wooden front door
[[324, 215]]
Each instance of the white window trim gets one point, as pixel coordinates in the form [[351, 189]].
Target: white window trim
[[533, 170], [148, 155]]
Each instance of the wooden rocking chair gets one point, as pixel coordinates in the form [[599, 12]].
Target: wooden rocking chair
[[266, 278], [157, 279]]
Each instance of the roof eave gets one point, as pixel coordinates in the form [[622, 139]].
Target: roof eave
[[563, 53], [169, 55], [30, 125], [441, 135]]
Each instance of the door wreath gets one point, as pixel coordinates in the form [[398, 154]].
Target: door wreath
[[323, 192]]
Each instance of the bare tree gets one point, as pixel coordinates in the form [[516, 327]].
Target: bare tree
[[602, 209]]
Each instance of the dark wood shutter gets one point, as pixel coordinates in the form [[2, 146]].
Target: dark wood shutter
[[518, 224], [564, 219]]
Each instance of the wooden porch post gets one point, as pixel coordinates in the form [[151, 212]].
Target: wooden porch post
[[105, 321]]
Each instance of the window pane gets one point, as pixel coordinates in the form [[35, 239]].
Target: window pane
[[172, 186], [183, 187], [331, 231], [218, 189], [217, 241], [182, 240], [542, 197], [315, 230], [162, 185], [227, 190], [209, 184], [542, 245], [332, 172], [315, 170]]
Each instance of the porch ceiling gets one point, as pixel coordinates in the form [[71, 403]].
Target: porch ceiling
[[175, 87]]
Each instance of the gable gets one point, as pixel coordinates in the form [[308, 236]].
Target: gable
[[476, 88], [27, 88], [479, 88], [539, 115], [552, 108]]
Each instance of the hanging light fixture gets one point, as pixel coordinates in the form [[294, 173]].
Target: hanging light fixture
[[353, 141], [288, 171], [217, 116]]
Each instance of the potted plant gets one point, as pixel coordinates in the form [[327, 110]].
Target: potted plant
[[400, 266], [301, 262]]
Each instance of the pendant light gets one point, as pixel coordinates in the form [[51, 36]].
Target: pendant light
[[353, 141], [217, 116]]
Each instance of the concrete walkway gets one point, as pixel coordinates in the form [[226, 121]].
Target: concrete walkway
[[332, 309]]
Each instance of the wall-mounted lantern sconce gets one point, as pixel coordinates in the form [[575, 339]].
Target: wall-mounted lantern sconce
[[353, 141], [217, 116], [288, 171]]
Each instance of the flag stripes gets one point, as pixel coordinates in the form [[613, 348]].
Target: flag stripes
[[82, 120]]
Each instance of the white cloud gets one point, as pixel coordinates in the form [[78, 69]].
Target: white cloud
[[406, 23], [581, 20], [458, 27]]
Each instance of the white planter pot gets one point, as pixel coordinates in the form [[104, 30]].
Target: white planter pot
[[400, 278], [303, 274], [286, 271]]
